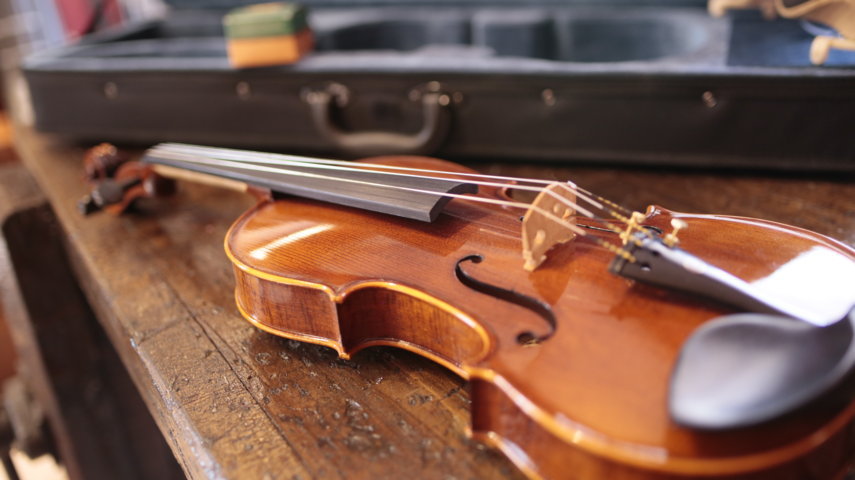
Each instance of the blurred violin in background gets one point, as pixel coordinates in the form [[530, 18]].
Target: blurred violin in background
[[599, 342]]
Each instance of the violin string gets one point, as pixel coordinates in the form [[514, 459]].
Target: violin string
[[194, 151], [189, 157], [262, 168], [192, 154], [279, 158], [296, 160]]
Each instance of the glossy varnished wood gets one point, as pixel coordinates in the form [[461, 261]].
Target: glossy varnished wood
[[599, 385], [236, 402]]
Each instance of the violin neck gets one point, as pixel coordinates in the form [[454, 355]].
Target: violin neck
[[407, 196], [184, 174]]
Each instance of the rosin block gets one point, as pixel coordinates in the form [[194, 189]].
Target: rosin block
[[267, 34]]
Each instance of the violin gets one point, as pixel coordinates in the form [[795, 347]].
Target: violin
[[598, 342]]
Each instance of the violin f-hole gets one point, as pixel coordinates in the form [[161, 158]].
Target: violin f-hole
[[540, 308]]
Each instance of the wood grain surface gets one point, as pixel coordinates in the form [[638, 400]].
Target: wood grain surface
[[98, 425], [235, 402]]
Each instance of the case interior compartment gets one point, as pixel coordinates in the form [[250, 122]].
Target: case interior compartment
[[560, 35], [563, 36]]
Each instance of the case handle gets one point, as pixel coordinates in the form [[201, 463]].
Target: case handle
[[436, 116]]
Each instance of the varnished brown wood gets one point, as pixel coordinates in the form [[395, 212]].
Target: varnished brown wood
[[597, 388], [239, 403]]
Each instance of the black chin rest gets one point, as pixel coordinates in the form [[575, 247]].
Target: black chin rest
[[744, 369]]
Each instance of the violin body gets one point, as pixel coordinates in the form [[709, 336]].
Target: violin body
[[589, 401]]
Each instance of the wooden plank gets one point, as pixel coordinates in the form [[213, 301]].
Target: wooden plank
[[18, 189], [232, 401], [235, 402], [99, 426]]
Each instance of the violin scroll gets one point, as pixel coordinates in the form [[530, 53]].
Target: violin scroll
[[101, 162], [118, 182]]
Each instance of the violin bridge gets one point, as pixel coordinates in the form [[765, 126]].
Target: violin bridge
[[544, 224]]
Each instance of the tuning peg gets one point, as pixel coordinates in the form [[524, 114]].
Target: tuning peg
[[677, 225], [107, 192]]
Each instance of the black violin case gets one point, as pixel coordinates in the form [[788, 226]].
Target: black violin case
[[657, 82]]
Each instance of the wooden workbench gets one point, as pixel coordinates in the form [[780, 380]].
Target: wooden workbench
[[234, 402]]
